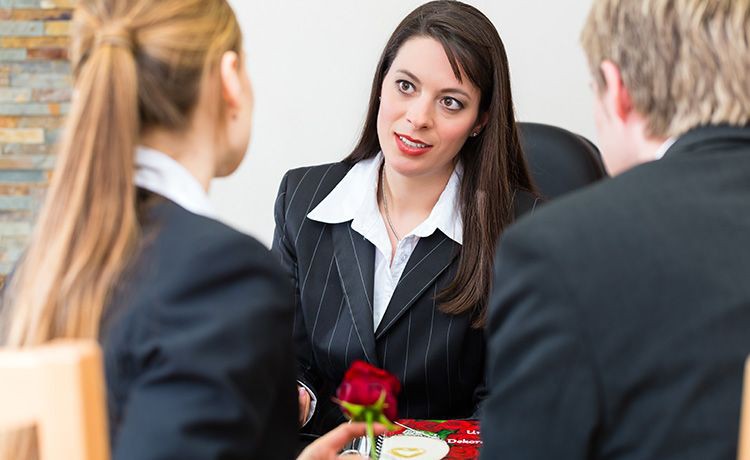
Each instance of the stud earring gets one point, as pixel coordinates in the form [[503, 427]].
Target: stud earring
[[475, 134]]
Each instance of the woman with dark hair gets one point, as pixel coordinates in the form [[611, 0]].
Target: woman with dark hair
[[391, 249]]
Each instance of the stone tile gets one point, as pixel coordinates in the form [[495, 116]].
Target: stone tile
[[24, 109], [16, 216], [39, 122], [6, 13], [9, 122], [34, 190], [16, 241], [13, 203], [22, 136], [27, 149], [59, 109], [52, 136], [45, 67], [40, 80], [21, 28], [47, 53], [49, 95], [57, 28], [22, 176], [33, 42], [55, 14], [57, 3], [14, 228], [15, 95], [15, 189], [12, 54], [33, 109], [5, 269], [19, 3], [45, 162], [4, 77]]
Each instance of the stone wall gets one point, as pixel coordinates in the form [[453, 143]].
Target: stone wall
[[35, 89]]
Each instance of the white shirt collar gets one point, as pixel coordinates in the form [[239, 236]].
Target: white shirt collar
[[355, 199], [159, 173], [664, 147]]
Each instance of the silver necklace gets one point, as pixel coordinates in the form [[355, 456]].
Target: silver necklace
[[385, 202]]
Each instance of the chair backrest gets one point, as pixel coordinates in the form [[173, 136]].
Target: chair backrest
[[559, 160], [59, 390], [743, 452]]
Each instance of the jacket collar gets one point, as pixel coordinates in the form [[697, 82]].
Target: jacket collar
[[706, 137], [159, 173], [355, 199]]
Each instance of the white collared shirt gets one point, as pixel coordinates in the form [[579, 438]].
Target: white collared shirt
[[355, 199], [159, 173], [666, 145]]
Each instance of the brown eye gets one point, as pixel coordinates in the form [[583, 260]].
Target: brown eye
[[405, 86], [452, 104]]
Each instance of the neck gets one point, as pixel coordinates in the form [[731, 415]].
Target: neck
[[190, 149], [645, 147], [414, 196]]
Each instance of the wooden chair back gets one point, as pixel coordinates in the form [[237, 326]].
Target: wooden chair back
[[744, 442], [58, 389]]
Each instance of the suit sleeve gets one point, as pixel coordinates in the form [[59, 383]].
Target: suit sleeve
[[544, 397], [215, 359], [284, 249]]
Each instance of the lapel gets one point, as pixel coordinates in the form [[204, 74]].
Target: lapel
[[355, 263], [432, 256]]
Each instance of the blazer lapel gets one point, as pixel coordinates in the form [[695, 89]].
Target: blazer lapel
[[355, 262], [432, 256]]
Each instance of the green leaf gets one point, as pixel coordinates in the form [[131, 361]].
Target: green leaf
[[443, 434]]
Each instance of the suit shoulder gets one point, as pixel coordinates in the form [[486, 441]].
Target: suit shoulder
[[317, 175], [594, 213], [177, 244], [183, 227], [304, 188]]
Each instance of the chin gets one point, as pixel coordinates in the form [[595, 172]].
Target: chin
[[406, 166], [230, 163]]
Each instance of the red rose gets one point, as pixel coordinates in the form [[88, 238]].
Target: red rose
[[364, 384]]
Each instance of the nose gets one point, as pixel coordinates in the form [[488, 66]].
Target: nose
[[420, 114]]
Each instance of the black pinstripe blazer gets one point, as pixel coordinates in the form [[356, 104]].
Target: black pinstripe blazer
[[438, 358]]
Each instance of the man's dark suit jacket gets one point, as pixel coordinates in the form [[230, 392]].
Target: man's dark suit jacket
[[621, 319], [437, 357], [198, 347]]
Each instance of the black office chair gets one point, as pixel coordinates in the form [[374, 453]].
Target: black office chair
[[559, 160]]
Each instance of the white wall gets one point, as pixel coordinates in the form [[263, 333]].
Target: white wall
[[312, 61]]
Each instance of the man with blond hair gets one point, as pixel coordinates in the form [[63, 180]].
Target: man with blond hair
[[620, 322]]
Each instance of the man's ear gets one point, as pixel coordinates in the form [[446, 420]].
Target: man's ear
[[231, 83], [616, 96]]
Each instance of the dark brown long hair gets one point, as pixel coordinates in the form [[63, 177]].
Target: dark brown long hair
[[494, 166]]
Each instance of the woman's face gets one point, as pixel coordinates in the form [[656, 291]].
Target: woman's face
[[425, 113]]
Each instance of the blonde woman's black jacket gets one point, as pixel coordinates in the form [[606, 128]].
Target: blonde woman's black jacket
[[198, 346]]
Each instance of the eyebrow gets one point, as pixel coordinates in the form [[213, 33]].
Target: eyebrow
[[446, 90]]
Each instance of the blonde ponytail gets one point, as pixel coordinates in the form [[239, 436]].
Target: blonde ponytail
[[87, 226], [137, 64]]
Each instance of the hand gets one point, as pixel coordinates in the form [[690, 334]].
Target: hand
[[327, 447], [304, 404]]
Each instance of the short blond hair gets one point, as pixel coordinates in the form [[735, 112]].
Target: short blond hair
[[684, 62]]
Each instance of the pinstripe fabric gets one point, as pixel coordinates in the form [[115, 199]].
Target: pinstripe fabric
[[332, 268]]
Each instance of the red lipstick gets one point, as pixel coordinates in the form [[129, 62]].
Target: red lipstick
[[411, 146]]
